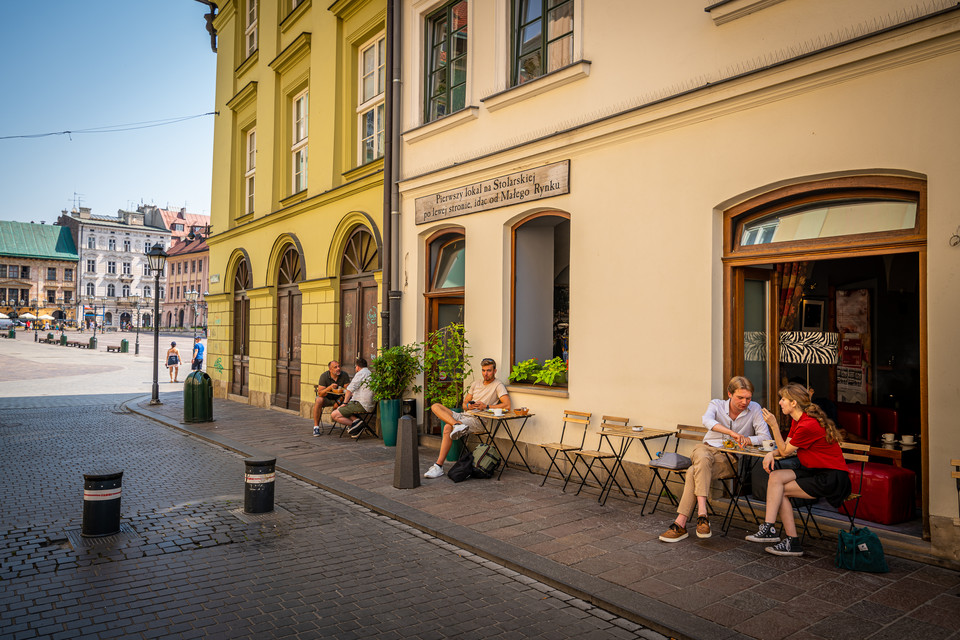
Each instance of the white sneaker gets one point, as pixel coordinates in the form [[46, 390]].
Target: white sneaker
[[458, 431], [435, 471], [316, 432]]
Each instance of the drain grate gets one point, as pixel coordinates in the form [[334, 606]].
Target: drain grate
[[278, 514], [125, 535]]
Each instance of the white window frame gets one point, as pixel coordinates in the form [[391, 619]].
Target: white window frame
[[125, 291], [112, 244], [91, 289], [111, 291], [91, 242], [126, 268], [147, 292], [249, 176], [126, 245], [250, 30], [111, 266], [91, 265], [299, 138], [371, 105]]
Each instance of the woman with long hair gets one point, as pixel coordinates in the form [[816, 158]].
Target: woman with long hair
[[173, 362], [822, 474]]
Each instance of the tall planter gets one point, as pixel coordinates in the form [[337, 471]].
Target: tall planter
[[389, 419]]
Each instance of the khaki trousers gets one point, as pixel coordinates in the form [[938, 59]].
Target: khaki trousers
[[709, 463]]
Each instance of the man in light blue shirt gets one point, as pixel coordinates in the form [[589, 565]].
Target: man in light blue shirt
[[197, 354], [737, 418]]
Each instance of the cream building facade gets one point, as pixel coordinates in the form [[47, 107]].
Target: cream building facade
[[664, 193], [297, 196]]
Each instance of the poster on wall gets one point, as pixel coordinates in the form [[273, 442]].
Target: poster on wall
[[853, 322]]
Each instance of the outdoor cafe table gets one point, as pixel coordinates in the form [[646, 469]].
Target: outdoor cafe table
[[495, 423], [627, 437]]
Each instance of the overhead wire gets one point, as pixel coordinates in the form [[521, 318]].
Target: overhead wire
[[132, 126]]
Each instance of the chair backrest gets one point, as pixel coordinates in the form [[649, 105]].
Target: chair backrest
[[575, 418], [688, 432], [612, 422], [855, 452]]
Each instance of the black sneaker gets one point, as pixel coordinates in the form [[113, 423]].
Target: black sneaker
[[356, 428], [787, 547], [766, 533]]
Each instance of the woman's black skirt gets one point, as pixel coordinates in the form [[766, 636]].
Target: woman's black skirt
[[831, 484]]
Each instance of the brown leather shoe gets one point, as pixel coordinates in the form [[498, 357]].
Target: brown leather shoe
[[703, 527], [675, 533]]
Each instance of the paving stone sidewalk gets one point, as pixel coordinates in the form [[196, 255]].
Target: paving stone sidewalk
[[608, 555]]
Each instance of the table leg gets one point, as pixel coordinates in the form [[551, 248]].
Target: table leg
[[617, 464]]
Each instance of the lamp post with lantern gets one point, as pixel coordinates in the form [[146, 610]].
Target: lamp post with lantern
[[192, 296], [157, 259]]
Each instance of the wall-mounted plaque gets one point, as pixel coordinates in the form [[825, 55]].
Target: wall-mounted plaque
[[524, 186]]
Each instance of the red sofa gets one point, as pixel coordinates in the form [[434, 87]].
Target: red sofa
[[887, 495]]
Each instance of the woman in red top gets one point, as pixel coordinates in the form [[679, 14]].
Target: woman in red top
[[822, 474]]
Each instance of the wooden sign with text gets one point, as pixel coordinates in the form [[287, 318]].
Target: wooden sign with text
[[524, 186]]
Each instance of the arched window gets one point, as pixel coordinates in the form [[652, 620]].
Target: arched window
[[111, 291], [446, 271], [90, 289], [125, 291], [359, 298], [147, 292], [541, 287]]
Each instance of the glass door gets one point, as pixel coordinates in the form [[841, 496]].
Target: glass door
[[756, 333]]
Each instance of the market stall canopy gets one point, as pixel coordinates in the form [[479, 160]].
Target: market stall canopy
[[27, 316], [47, 316]]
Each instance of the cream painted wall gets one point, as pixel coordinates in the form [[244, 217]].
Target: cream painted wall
[[647, 189]]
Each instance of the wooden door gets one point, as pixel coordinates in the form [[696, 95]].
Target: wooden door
[[756, 333], [287, 394], [359, 307], [240, 384]]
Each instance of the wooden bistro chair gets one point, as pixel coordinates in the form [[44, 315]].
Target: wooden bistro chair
[[679, 467], [590, 456], [563, 448], [853, 452]]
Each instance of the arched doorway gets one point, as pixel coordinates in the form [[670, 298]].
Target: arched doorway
[[145, 320], [108, 319], [358, 299], [125, 320], [169, 319], [242, 280], [180, 318], [289, 275]]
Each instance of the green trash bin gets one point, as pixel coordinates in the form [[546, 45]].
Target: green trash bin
[[12, 333], [49, 336], [63, 339], [93, 342], [124, 346], [197, 397]]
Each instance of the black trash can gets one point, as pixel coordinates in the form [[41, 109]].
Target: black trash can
[[197, 397], [101, 504]]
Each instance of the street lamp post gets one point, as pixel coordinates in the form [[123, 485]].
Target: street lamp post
[[157, 258], [192, 297], [36, 316], [136, 301]]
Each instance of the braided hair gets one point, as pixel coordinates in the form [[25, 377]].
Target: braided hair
[[799, 394]]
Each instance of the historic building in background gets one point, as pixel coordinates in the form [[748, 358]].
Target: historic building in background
[[295, 276], [113, 269], [188, 271], [38, 267], [667, 194]]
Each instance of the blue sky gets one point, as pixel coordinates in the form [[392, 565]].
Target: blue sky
[[70, 65]]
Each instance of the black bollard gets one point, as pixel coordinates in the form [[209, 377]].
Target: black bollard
[[259, 482], [406, 468], [101, 504]]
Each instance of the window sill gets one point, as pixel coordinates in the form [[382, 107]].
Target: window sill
[[293, 16], [447, 122], [729, 10], [539, 390], [294, 198], [545, 83], [363, 170]]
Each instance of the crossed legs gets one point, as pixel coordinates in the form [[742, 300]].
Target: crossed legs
[[782, 486]]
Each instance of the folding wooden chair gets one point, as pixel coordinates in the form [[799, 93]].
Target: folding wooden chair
[[367, 418], [590, 456], [684, 432], [555, 449], [850, 454]]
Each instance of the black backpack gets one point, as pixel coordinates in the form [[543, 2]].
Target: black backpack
[[463, 468]]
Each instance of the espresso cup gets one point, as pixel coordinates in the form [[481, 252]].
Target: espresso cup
[[887, 437], [497, 412], [768, 445], [907, 439]]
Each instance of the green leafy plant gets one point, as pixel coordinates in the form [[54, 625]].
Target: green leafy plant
[[393, 372], [525, 370], [554, 370], [446, 363]]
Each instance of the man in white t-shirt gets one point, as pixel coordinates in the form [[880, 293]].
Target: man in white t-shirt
[[488, 393]]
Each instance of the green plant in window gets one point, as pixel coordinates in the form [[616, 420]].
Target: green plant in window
[[446, 363], [553, 371], [525, 370]]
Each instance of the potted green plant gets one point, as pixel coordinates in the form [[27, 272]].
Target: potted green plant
[[391, 374], [446, 366], [525, 370], [554, 371]]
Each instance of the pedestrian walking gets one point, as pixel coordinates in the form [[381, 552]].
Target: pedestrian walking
[[197, 354], [173, 362]]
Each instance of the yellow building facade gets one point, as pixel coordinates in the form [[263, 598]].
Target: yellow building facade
[[297, 196]]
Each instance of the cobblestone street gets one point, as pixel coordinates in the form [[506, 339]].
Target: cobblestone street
[[189, 563]]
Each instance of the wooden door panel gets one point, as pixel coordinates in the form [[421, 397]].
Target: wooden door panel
[[241, 346], [369, 323], [349, 308]]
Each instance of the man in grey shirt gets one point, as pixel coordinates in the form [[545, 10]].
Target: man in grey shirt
[[737, 418], [357, 399]]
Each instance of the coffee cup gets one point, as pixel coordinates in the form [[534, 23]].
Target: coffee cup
[[768, 445], [497, 412], [907, 439], [887, 437]]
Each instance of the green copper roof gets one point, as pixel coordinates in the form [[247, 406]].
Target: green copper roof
[[28, 240]]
